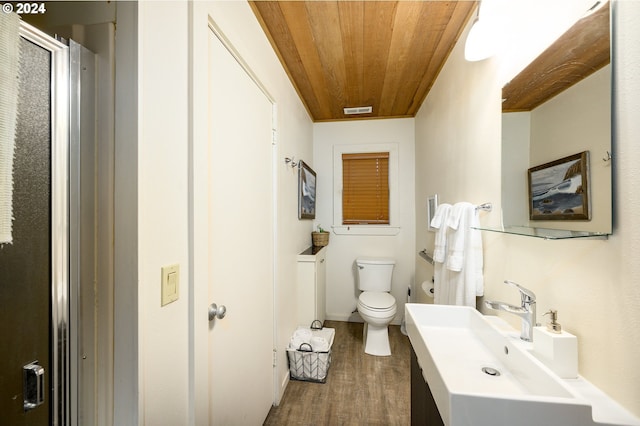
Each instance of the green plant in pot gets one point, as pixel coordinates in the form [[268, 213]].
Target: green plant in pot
[[320, 238]]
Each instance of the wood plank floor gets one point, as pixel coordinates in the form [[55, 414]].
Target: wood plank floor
[[360, 390]]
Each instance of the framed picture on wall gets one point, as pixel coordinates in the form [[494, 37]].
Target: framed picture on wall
[[432, 205], [306, 192], [559, 190]]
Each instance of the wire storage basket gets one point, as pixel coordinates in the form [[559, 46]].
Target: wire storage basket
[[308, 364]]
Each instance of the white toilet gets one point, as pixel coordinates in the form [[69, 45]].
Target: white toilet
[[376, 305]]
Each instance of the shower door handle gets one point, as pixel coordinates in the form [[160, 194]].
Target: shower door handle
[[32, 385]]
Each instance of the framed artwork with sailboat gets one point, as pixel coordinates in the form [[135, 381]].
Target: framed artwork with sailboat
[[559, 190], [306, 191]]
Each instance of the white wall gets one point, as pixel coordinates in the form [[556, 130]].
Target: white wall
[[457, 146], [342, 292], [516, 136], [127, 380], [592, 283], [163, 234]]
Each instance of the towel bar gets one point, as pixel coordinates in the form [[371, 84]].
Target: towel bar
[[486, 207]]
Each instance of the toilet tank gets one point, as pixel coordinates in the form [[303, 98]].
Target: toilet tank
[[374, 274]]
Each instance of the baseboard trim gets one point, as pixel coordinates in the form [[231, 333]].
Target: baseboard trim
[[283, 386], [354, 317]]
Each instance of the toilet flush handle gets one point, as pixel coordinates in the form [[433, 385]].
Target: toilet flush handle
[[216, 311]]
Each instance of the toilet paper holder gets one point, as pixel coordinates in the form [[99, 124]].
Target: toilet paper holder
[[426, 256], [428, 288]]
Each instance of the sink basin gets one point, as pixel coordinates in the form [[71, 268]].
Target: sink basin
[[453, 345]]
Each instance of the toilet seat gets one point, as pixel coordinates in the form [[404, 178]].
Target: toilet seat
[[377, 301], [377, 309]]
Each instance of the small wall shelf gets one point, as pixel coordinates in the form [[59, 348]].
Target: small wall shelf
[[547, 234]]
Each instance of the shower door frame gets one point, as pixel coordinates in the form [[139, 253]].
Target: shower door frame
[[60, 300]]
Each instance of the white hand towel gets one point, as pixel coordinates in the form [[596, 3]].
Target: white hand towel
[[456, 214], [439, 222], [459, 280], [299, 337], [304, 334], [319, 344], [467, 283], [457, 240], [9, 87], [441, 284], [477, 260]]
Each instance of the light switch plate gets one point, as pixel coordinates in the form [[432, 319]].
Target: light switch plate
[[170, 284]]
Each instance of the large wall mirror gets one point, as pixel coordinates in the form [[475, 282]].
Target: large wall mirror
[[558, 106]]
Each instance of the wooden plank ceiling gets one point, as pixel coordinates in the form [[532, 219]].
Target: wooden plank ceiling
[[384, 54], [581, 51]]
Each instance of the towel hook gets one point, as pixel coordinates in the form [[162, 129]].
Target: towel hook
[[291, 162]]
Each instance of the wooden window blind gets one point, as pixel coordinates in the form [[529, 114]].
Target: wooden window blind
[[365, 188]]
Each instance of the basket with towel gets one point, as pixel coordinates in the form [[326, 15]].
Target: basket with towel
[[309, 353]]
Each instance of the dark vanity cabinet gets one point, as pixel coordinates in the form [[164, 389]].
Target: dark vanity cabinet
[[423, 407]]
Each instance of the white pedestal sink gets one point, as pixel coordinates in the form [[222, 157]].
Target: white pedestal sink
[[481, 373]]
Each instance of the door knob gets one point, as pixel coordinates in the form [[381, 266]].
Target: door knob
[[216, 311]]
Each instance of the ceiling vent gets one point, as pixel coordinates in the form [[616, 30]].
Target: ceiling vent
[[358, 110]]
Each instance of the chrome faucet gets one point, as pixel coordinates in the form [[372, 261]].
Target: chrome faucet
[[526, 311]]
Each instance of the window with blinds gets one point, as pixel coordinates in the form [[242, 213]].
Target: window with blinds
[[365, 188]]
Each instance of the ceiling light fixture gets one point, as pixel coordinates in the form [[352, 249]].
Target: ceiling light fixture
[[358, 110], [480, 40]]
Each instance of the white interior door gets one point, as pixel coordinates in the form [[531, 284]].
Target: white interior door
[[240, 243]]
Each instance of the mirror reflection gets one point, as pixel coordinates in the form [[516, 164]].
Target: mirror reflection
[[558, 106]]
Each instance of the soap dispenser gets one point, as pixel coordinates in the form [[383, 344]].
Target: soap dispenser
[[556, 348], [553, 326]]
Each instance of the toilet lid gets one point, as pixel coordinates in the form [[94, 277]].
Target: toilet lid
[[377, 300]]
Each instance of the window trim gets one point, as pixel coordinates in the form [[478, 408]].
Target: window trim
[[394, 217]]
